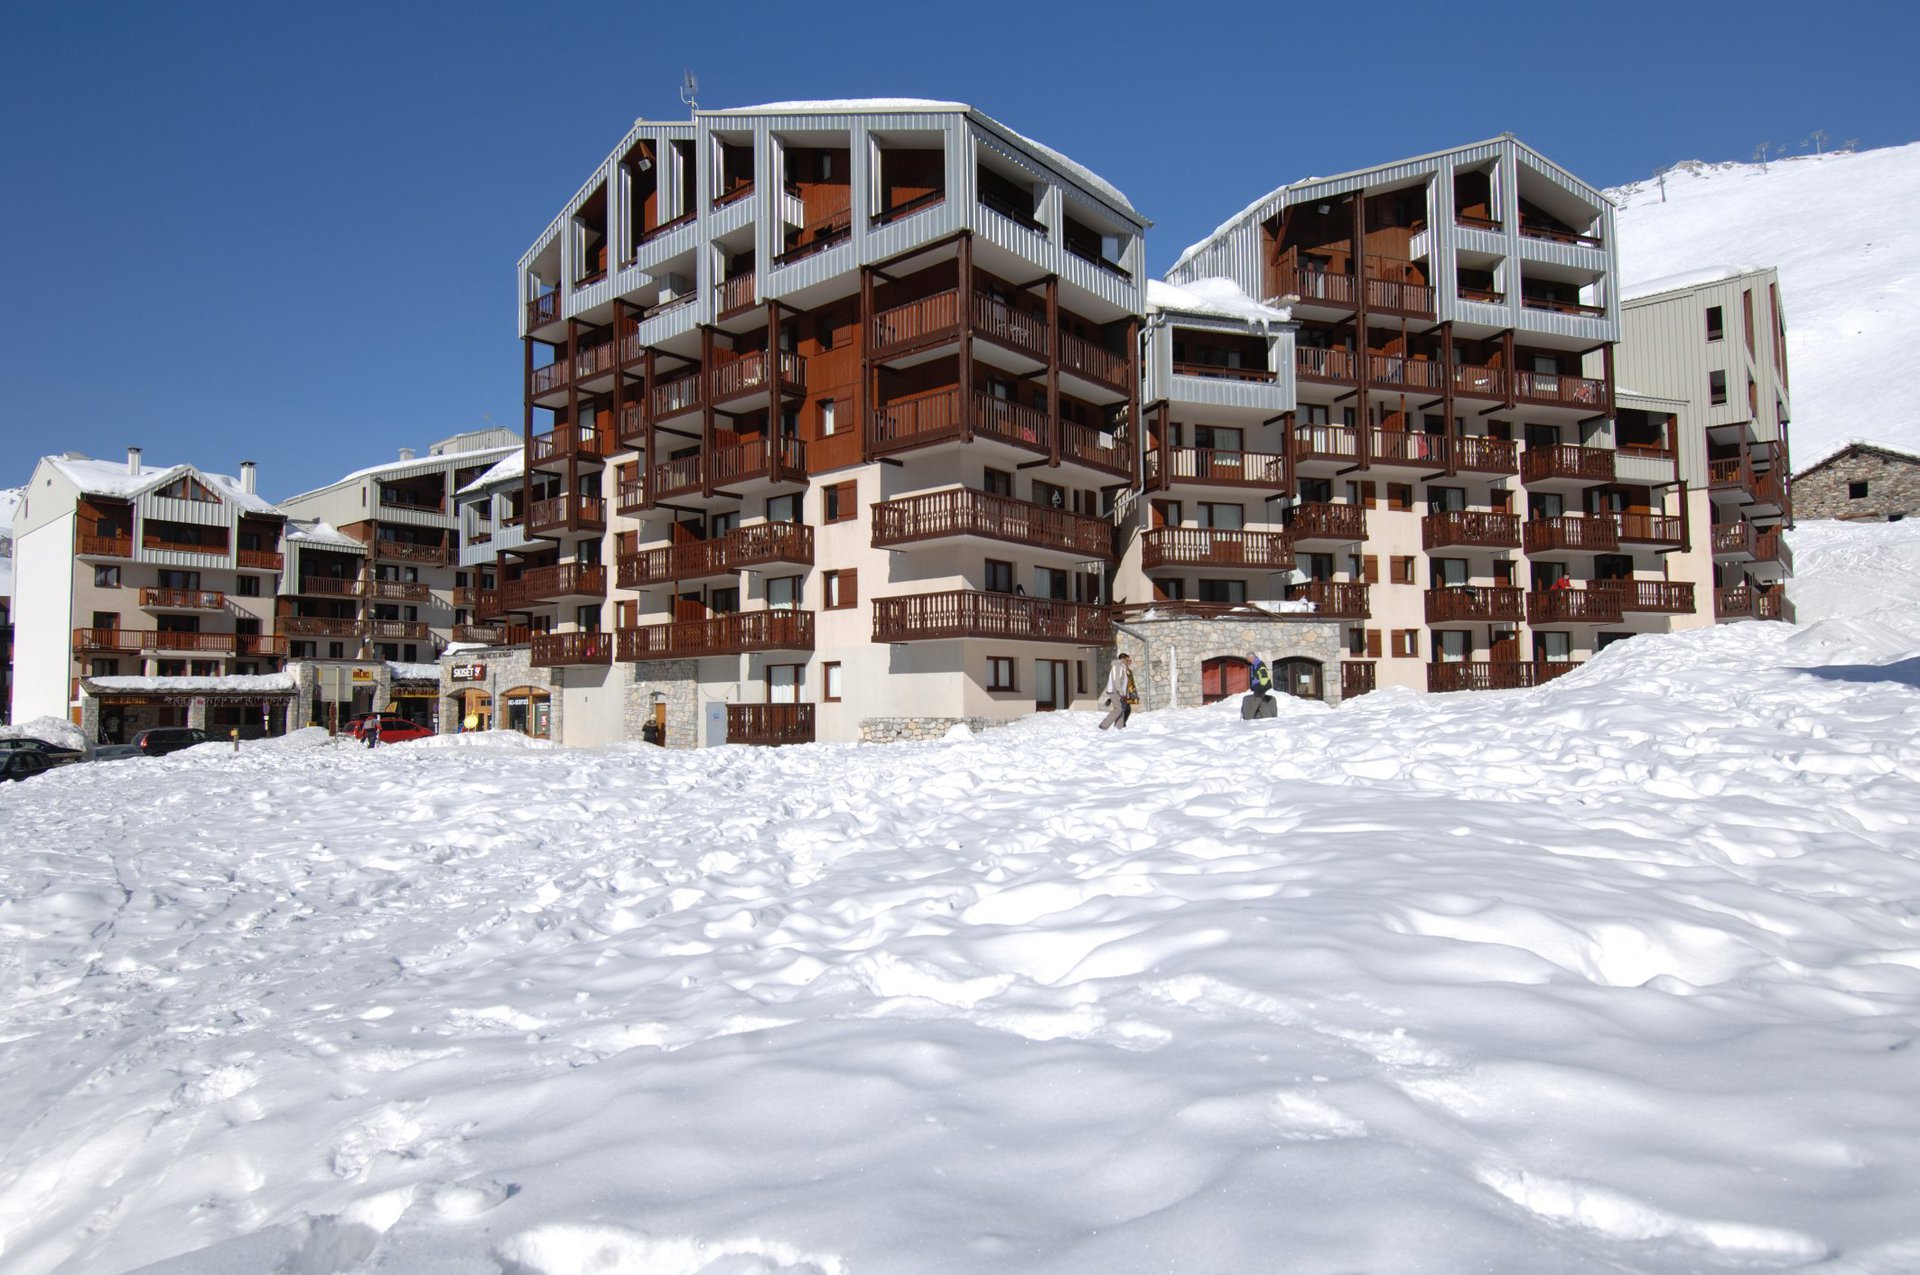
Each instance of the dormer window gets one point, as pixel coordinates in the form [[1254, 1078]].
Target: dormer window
[[187, 487]]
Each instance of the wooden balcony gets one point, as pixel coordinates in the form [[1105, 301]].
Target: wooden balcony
[[1209, 468], [104, 546], [1083, 358], [962, 511], [1405, 447], [1470, 529], [756, 458], [1333, 599], [1393, 371], [735, 634], [567, 513], [554, 650], [260, 560], [770, 724], [1479, 454], [268, 644], [1016, 329], [1315, 364], [407, 551], [1747, 603], [329, 587], [182, 600], [193, 643], [1493, 675], [1356, 678], [318, 626], [927, 322], [542, 310], [1470, 380], [1537, 230], [485, 634], [1322, 520], [1734, 541], [582, 442], [1208, 547], [742, 547], [1553, 389], [1664, 530], [591, 361], [1099, 448], [396, 591], [1316, 287], [1563, 462], [110, 640], [395, 630], [1574, 606], [1403, 297], [1771, 546], [1475, 604], [561, 582], [684, 393], [1661, 597], [1573, 533], [935, 417], [748, 375], [735, 295], [1338, 444], [971, 613]]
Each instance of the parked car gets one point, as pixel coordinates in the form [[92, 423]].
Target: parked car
[[158, 741], [393, 729], [18, 763], [52, 754]]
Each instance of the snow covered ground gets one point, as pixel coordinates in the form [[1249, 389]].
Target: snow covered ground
[[1619, 975], [1849, 275]]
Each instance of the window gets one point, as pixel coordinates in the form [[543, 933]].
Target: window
[[187, 488], [1716, 323], [783, 593], [724, 601], [1373, 644], [247, 586], [1402, 569], [1717, 387], [1400, 496], [103, 668], [1446, 500], [1857, 491], [784, 682], [1000, 673], [1050, 582], [1406, 644], [838, 502], [827, 423], [187, 580], [1218, 438], [838, 590], [997, 482], [1221, 517], [783, 508], [1453, 646], [1356, 641], [998, 576], [109, 577], [1050, 495], [830, 682], [1232, 592], [1554, 648]]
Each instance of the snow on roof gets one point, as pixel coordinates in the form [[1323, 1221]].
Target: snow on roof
[[110, 478], [253, 683], [320, 532], [450, 459], [507, 467], [1217, 298], [1685, 279], [10, 498], [1841, 447], [404, 672]]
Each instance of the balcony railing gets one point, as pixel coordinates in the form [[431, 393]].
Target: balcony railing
[[1012, 213], [1100, 448], [1356, 678], [329, 587], [1734, 540], [1577, 533], [318, 626], [1744, 602], [1481, 454], [1082, 357], [930, 320], [1665, 597], [1405, 447], [543, 309], [1413, 374], [681, 394], [1494, 675], [1650, 529], [1565, 462], [818, 236], [261, 559], [1471, 380], [182, 600], [965, 512], [395, 630], [769, 723], [552, 650], [971, 613], [1334, 599], [736, 294], [1470, 528], [1400, 297], [104, 546], [1316, 364], [1209, 547], [1558, 389], [1771, 546], [573, 512], [739, 548], [1574, 606], [1223, 468], [779, 460], [736, 634], [901, 211], [1535, 230], [583, 441], [1323, 520], [1220, 371], [489, 634], [1002, 323], [562, 580], [409, 551], [748, 374], [1470, 603], [1337, 443], [1546, 301], [109, 639]]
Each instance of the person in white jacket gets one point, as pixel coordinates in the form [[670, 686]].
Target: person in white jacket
[[1121, 693]]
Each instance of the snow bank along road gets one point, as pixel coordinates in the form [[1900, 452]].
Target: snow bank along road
[[1620, 975]]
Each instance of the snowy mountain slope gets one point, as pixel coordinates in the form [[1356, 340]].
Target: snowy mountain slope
[[1622, 974], [1838, 226]]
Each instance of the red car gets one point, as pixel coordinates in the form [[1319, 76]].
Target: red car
[[393, 730]]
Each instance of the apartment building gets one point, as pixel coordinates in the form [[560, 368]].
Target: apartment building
[[827, 407], [1445, 450], [126, 573], [1714, 342]]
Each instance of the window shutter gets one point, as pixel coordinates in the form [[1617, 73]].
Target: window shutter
[[1370, 568], [849, 588], [1373, 644]]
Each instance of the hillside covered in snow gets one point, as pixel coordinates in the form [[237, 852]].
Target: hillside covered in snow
[[1620, 974], [1839, 228]]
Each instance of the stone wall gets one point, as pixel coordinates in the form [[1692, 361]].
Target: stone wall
[[677, 680], [508, 667], [1893, 487], [1181, 645], [894, 730]]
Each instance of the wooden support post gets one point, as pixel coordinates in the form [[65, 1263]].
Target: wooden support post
[[964, 286], [773, 391], [646, 428], [1053, 369], [1446, 396], [863, 406], [1133, 388], [1362, 337], [706, 410], [1166, 452]]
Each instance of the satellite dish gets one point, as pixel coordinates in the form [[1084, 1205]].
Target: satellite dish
[[690, 90]]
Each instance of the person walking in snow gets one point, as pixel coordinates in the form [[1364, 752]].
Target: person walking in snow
[[1122, 695], [372, 732]]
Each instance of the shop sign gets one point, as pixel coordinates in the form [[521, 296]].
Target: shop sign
[[468, 673], [361, 675]]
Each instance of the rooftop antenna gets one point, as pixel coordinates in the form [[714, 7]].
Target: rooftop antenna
[[690, 90]]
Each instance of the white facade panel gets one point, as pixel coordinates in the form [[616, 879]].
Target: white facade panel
[[43, 623]]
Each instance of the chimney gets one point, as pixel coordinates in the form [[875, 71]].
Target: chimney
[[246, 476], [406, 453], [133, 460]]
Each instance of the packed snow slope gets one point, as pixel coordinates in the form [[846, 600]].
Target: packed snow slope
[[1618, 975], [1836, 226]]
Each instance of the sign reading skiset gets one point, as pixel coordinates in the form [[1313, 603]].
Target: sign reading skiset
[[468, 673]]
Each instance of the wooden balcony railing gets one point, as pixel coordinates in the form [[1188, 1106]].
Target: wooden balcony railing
[[329, 587], [543, 309], [1010, 422], [1470, 380], [1726, 473], [552, 650], [1565, 462], [1207, 466], [1573, 606], [736, 634], [104, 546], [1102, 449], [1208, 547], [1414, 374], [667, 227], [1396, 296], [901, 211], [739, 548], [1316, 364], [1323, 520], [748, 374], [1494, 675], [260, 559], [779, 459], [1470, 603], [971, 613], [1650, 529], [318, 626], [1470, 528], [770, 724], [1017, 329], [108, 639], [1083, 358], [586, 442], [1734, 540], [1577, 533], [1559, 390], [736, 294], [490, 634], [1473, 221], [1771, 546], [1406, 447], [681, 394], [395, 630], [962, 511], [1477, 453], [1334, 599], [409, 551], [1665, 597], [1337, 443], [1356, 678], [562, 580], [1220, 371], [1545, 301], [817, 236], [396, 590], [929, 320], [182, 600], [271, 644], [203, 643], [1535, 230], [572, 512], [1321, 287], [1743, 602]]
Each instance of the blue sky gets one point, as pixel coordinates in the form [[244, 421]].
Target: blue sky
[[256, 231]]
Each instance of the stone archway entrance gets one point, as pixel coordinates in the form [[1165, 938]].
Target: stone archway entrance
[[1299, 677]]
